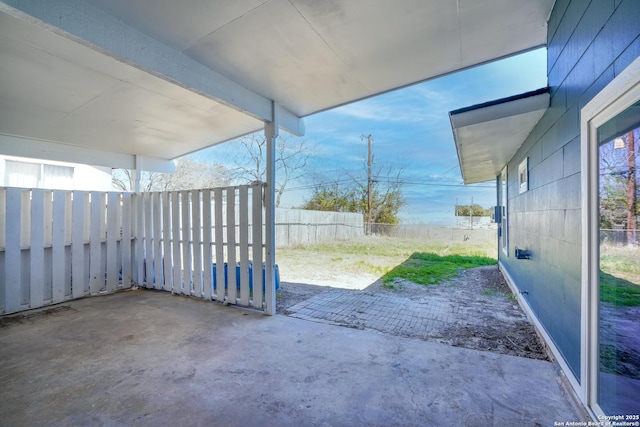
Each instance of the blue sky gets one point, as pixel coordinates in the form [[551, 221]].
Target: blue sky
[[410, 128]]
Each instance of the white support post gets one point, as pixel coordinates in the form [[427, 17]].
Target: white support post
[[271, 133], [136, 175]]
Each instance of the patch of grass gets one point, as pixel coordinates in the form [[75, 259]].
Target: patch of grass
[[430, 268], [377, 255], [620, 275], [489, 292], [618, 291], [396, 247], [373, 246], [621, 261]]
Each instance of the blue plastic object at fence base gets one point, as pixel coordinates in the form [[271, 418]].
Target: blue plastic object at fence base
[[250, 271]]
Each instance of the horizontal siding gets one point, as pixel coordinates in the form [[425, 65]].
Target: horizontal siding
[[590, 42], [564, 49]]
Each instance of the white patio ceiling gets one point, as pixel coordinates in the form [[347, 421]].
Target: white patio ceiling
[[102, 81]]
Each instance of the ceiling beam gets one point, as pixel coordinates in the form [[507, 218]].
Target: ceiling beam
[[18, 146], [94, 28]]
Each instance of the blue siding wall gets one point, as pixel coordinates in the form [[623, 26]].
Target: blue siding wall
[[589, 43]]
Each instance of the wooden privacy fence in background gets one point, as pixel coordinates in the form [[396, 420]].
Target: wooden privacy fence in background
[[296, 227], [58, 245]]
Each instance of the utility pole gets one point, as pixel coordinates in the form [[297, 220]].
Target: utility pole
[[457, 221], [471, 212], [369, 163]]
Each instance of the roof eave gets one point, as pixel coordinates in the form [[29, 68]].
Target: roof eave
[[488, 135]]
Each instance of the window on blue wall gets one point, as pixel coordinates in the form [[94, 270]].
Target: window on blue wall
[[523, 175], [504, 226]]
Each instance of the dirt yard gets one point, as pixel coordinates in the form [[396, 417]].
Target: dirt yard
[[498, 325]]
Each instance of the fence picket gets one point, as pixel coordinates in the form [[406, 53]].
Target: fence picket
[[158, 259], [207, 271], [148, 240], [68, 221], [219, 244], [96, 269], [113, 234], [256, 245], [197, 250], [139, 238], [48, 245], [78, 278], [36, 252], [12, 256], [48, 217], [166, 241], [175, 236], [3, 220], [231, 245], [3, 245], [126, 242], [58, 257], [186, 244], [25, 232], [244, 245]]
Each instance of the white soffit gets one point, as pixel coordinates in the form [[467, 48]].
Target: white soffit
[[54, 89], [488, 135], [163, 78]]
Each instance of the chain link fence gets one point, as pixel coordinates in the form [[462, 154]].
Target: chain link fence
[[619, 237], [296, 227], [432, 232]]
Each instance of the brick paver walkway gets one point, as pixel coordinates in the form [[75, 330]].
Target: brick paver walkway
[[385, 312]]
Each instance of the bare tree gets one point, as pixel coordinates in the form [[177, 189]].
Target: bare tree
[[291, 160], [122, 179], [190, 174]]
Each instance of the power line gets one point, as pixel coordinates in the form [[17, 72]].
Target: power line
[[436, 184], [449, 170], [388, 180]]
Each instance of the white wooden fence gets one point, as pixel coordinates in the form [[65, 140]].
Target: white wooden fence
[[60, 245]]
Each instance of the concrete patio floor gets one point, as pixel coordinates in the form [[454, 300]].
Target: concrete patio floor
[[151, 359]]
